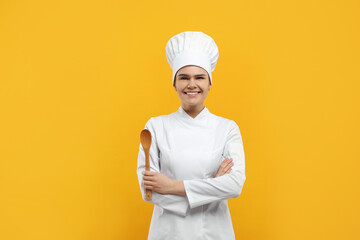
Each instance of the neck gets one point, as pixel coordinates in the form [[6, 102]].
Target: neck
[[193, 111]]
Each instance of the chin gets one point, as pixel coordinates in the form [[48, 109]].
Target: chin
[[193, 104]]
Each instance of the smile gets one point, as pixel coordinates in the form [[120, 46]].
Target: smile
[[192, 93]]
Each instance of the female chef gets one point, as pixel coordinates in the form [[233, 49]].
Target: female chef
[[197, 159]]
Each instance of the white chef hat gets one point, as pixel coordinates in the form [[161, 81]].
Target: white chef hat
[[192, 48]]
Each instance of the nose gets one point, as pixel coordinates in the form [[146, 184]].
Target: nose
[[192, 83]]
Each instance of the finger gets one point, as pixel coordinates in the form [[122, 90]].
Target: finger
[[149, 187], [224, 163], [223, 166], [149, 178], [148, 183], [227, 161], [228, 167], [228, 171], [149, 173]]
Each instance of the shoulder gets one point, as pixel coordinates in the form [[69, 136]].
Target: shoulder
[[157, 125], [225, 122], [157, 121], [230, 130]]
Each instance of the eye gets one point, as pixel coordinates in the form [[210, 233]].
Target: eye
[[200, 78], [183, 78]]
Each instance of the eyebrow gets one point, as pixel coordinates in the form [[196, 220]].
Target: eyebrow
[[197, 75]]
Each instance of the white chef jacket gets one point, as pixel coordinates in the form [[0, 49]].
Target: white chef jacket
[[192, 149]]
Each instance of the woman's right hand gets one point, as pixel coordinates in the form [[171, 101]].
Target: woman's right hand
[[225, 167]]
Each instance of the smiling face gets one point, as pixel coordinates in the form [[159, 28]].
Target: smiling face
[[192, 85]]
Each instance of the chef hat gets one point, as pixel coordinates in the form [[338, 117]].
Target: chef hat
[[192, 48]]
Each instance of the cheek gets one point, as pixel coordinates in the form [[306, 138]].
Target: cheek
[[180, 94], [206, 93]]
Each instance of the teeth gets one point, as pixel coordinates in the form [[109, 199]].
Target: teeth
[[192, 93]]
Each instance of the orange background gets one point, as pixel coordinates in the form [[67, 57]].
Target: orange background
[[79, 80]]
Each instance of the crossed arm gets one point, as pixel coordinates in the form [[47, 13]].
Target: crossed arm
[[162, 184]]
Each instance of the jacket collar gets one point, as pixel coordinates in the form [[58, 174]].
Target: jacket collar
[[200, 116]]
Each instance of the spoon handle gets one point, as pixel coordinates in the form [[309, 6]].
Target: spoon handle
[[147, 168]]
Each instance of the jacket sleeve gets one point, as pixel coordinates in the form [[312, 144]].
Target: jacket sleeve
[[203, 191], [174, 203]]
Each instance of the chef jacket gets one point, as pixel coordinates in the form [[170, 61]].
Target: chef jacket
[[192, 149]]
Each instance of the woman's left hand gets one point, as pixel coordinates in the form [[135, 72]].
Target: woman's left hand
[[157, 182]]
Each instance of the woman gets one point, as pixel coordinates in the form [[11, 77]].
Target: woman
[[190, 177]]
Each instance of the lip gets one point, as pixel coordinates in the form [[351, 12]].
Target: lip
[[192, 95], [192, 92]]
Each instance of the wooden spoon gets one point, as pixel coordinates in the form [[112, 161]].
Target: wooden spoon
[[145, 139]]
